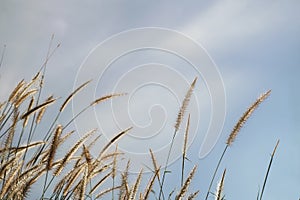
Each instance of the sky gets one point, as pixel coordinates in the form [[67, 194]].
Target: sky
[[248, 48]]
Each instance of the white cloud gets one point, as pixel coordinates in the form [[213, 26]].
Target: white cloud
[[227, 23]]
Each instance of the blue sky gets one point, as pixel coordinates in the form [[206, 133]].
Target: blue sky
[[254, 44]]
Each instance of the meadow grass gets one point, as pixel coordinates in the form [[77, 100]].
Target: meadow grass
[[77, 174]]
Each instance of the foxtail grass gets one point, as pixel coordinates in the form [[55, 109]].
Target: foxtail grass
[[74, 172], [179, 120], [235, 132]]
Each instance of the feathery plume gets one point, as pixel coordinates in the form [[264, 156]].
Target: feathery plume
[[42, 111], [71, 152], [101, 99], [35, 109], [16, 91], [245, 117], [53, 147], [83, 183], [21, 99], [112, 141], [154, 162], [134, 189], [74, 175], [29, 107], [185, 186], [72, 94], [184, 105]]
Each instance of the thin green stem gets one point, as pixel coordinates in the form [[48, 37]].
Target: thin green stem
[[184, 149], [215, 172], [9, 112], [268, 171], [166, 167], [45, 183]]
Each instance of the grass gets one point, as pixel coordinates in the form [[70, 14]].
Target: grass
[[77, 174]]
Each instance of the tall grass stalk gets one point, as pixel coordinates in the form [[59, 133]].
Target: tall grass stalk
[[184, 150], [268, 170], [235, 132], [22, 112], [179, 120]]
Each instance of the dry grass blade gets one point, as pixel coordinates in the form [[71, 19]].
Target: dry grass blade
[[221, 187], [9, 164], [100, 182], [186, 137], [2, 117], [85, 153], [21, 148], [245, 117], [75, 173], [114, 167], [66, 179], [87, 156], [72, 95], [26, 87], [2, 104], [179, 119], [27, 173], [83, 183], [124, 190], [10, 180], [184, 149], [275, 148], [150, 185], [110, 155], [235, 132], [154, 162], [21, 99], [135, 187], [107, 191], [113, 140], [71, 152], [53, 147], [16, 91], [79, 159], [186, 184], [36, 77], [29, 107], [20, 189], [98, 170], [104, 98], [66, 136], [11, 133], [35, 109], [184, 105], [40, 115], [193, 195], [31, 181], [42, 111]]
